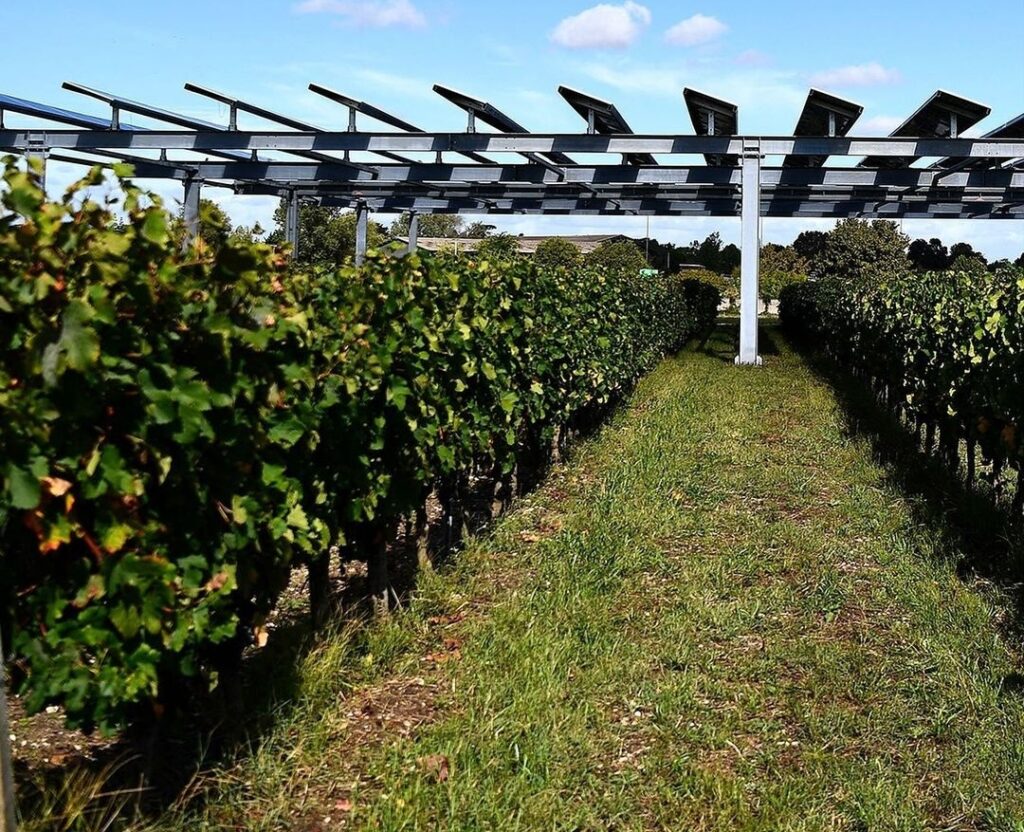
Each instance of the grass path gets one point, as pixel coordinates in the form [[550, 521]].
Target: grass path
[[717, 616]]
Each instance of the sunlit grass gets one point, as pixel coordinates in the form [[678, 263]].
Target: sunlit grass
[[718, 615]]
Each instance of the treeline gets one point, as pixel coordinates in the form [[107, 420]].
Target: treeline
[[179, 432], [943, 350]]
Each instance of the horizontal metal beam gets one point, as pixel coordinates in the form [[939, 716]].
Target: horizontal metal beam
[[203, 141], [719, 208], [596, 175]]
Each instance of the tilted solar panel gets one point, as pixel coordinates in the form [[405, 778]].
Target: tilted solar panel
[[712, 117], [944, 115], [823, 115], [1013, 129], [494, 117], [604, 118]]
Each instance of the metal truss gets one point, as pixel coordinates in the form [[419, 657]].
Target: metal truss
[[516, 171]]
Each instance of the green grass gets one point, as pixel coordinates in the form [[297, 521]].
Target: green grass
[[719, 615]]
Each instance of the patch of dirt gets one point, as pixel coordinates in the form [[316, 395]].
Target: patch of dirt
[[42, 740]]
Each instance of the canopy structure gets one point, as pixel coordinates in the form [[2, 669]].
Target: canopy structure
[[819, 171]]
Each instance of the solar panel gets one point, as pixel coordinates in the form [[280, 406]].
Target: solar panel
[[712, 117], [278, 118], [380, 115], [1013, 129], [154, 113], [58, 114], [604, 118], [822, 115], [944, 115], [495, 118]]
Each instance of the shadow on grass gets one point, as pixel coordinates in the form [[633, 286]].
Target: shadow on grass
[[723, 342], [976, 531]]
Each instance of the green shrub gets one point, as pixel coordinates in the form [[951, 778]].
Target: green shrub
[[557, 252]]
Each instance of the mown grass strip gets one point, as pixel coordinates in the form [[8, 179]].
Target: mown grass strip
[[719, 615]]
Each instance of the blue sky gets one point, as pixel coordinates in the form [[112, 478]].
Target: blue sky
[[888, 56]]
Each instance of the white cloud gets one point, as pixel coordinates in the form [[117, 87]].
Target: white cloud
[[759, 92], [753, 57], [603, 26], [858, 75], [695, 30], [371, 13]]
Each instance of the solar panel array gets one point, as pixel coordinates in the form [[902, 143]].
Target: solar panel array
[[474, 171]]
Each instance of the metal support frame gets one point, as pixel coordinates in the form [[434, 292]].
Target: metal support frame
[[362, 223], [40, 154], [750, 254], [414, 231], [291, 223], [193, 189], [8, 819]]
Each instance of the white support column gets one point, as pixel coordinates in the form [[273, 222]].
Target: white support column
[[191, 214], [414, 232], [8, 821], [750, 255], [362, 219], [291, 224]]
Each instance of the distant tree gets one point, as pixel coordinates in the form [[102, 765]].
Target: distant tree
[[556, 252], [728, 285], [1000, 265], [709, 253], [958, 250], [478, 230], [214, 226], [781, 266], [618, 256], [498, 247], [729, 258], [970, 263], [430, 225], [809, 245], [857, 249], [928, 255], [247, 234], [1019, 262], [327, 236]]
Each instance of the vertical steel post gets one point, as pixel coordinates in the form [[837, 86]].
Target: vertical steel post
[[750, 255], [8, 821], [191, 214], [39, 154], [362, 219], [414, 231], [291, 228]]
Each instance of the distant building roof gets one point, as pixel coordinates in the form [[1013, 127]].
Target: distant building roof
[[586, 243]]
